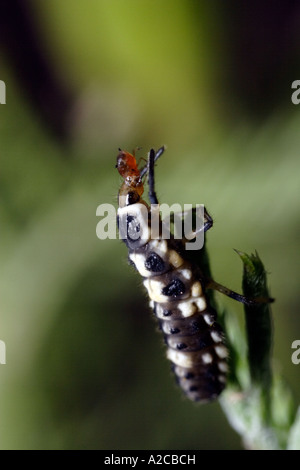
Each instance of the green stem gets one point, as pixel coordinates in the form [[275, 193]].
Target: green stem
[[258, 328], [257, 402]]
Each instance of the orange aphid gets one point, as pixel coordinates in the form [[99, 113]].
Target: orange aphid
[[126, 164], [128, 169]]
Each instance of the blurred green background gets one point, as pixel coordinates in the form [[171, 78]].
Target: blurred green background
[[211, 80]]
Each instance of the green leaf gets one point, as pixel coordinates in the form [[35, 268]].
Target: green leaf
[[261, 407], [258, 321]]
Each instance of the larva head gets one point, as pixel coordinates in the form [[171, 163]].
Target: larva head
[[132, 187]]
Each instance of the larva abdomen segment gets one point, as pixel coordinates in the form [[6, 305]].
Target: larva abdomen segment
[[194, 339], [201, 384], [196, 349]]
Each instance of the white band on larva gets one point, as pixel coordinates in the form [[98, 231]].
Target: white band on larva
[[159, 245], [216, 336], [223, 366], [221, 351], [154, 288], [201, 304], [186, 273], [180, 358], [191, 306], [139, 261], [207, 358], [187, 307], [196, 289], [140, 212], [175, 259], [209, 318]]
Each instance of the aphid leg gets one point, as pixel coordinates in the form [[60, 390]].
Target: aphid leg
[[211, 284], [136, 150], [140, 160], [207, 221], [152, 195]]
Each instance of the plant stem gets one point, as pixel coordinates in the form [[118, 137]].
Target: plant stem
[[257, 402]]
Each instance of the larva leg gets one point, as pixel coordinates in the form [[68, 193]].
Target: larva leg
[[211, 284], [207, 222], [152, 194]]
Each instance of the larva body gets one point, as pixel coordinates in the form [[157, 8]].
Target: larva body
[[194, 339]]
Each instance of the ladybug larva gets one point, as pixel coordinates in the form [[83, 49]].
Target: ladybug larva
[[176, 286]]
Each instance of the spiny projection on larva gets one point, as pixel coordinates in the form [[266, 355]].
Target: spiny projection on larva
[[176, 285]]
